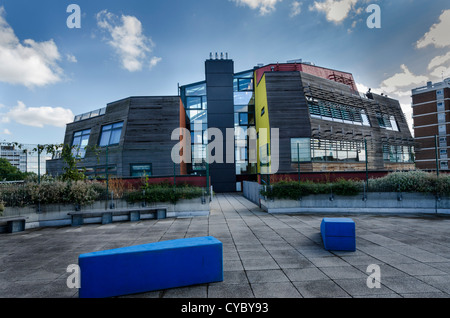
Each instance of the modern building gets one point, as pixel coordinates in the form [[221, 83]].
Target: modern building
[[431, 114], [282, 118], [128, 138]]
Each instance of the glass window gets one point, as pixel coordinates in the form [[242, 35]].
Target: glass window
[[394, 123], [111, 134], [80, 142], [300, 149], [243, 119], [196, 90], [141, 170], [365, 118], [194, 102], [245, 84], [244, 98]]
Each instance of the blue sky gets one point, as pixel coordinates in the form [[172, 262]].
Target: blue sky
[[49, 72]]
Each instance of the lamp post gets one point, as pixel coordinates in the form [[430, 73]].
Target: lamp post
[[367, 164], [437, 154], [298, 161]]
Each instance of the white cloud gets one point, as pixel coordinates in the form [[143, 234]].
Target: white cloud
[[441, 72], [71, 58], [128, 40], [402, 80], [296, 7], [336, 10], [264, 6], [39, 116], [5, 132], [29, 63], [154, 61], [439, 60], [438, 33]]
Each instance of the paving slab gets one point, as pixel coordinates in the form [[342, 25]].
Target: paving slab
[[265, 256]]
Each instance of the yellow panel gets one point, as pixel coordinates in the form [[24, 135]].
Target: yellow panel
[[262, 123]]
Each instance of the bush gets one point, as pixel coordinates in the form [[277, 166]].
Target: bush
[[163, 193], [2, 208], [51, 192], [411, 181], [295, 190]]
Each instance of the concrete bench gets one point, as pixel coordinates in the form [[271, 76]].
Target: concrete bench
[[134, 215], [338, 234], [14, 224], [151, 267]]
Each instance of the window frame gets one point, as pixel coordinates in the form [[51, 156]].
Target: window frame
[[111, 131], [79, 148], [149, 171]]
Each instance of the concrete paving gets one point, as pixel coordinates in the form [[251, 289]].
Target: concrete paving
[[265, 256]]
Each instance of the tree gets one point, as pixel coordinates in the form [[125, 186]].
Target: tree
[[10, 173], [71, 172]]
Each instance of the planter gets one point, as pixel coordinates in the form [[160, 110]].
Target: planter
[[375, 203], [57, 215]]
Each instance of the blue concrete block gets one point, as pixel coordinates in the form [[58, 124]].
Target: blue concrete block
[[151, 267], [338, 227], [107, 218], [338, 234], [16, 226], [135, 216]]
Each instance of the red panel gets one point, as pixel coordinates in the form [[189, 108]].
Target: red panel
[[326, 73]]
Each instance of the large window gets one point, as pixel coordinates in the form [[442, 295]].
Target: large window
[[332, 111], [337, 150], [398, 153], [111, 134], [301, 150], [387, 122], [80, 142], [141, 170], [243, 82]]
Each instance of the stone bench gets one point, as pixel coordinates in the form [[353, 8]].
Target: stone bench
[[338, 234], [134, 214], [14, 224], [151, 267]]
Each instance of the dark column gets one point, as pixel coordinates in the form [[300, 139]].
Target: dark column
[[219, 83]]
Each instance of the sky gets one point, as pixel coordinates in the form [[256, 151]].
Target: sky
[[55, 64]]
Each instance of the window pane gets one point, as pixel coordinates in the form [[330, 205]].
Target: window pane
[[394, 123], [197, 90], [141, 170], [245, 84], [194, 103], [104, 140], [115, 136], [243, 119], [302, 147]]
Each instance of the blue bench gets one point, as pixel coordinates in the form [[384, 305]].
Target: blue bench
[[338, 234], [151, 267]]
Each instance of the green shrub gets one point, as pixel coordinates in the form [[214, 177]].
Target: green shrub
[[51, 192], [294, 190], [411, 181], [2, 208], [163, 193]]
